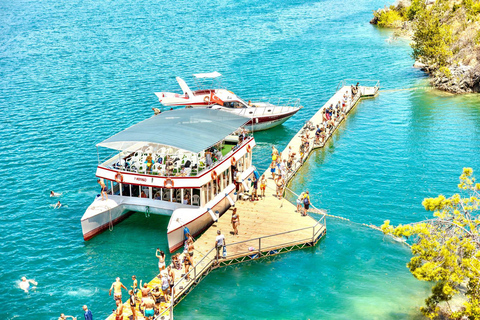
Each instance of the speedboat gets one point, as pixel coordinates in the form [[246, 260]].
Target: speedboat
[[264, 113], [185, 164]]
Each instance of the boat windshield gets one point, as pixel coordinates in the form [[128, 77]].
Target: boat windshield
[[234, 105]]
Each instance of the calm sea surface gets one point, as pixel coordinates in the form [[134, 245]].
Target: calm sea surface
[[73, 73]]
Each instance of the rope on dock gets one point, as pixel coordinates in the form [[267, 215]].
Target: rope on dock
[[323, 211]]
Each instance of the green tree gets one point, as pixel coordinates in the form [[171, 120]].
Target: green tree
[[446, 248], [432, 38]]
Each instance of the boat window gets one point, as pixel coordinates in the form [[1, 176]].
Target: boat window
[[177, 195], [135, 191], [116, 188], [196, 197], [125, 190], [157, 193]]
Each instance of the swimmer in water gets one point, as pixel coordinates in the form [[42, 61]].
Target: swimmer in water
[[64, 317], [54, 194], [57, 205], [25, 284]]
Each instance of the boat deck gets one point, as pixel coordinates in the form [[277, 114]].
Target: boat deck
[[268, 227]]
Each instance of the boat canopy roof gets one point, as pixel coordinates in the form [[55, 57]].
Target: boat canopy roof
[[207, 75], [192, 130]]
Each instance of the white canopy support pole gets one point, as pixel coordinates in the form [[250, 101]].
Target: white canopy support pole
[[245, 186], [232, 203], [214, 217]]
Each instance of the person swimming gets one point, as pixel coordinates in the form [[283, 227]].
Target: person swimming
[[57, 205], [55, 194], [25, 284]]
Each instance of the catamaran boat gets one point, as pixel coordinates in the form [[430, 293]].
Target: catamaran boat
[[263, 113], [182, 163]]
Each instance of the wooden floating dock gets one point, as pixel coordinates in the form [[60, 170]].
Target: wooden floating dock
[[268, 227]]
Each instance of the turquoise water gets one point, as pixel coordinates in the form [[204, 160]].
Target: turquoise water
[[74, 73]]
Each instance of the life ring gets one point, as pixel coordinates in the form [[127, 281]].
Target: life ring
[[233, 161], [249, 148], [214, 175], [119, 177], [206, 99], [168, 183]]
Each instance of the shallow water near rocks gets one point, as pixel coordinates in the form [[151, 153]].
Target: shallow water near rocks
[[75, 73]]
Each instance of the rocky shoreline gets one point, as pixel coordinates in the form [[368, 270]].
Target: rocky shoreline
[[453, 63]]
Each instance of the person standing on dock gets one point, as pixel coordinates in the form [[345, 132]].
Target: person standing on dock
[[263, 186], [300, 202], [133, 303], [161, 260], [117, 289], [88, 314], [306, 203], [279, 182], [219, 242], [135, 284], [272, 167], [235, 221], [119, 310]]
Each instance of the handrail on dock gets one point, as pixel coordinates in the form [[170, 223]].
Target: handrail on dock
[[209, 261], [349, 82]]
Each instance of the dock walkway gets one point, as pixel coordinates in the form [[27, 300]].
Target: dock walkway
[[268, 227]]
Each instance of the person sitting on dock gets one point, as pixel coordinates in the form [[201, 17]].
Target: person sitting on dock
[[219, 243], [117, 289], [103, 189], [235, 221]]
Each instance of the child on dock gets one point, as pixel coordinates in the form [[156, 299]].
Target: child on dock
[[263, 185]]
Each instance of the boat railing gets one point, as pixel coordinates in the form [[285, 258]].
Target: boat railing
[[272, 106], [117, 162]]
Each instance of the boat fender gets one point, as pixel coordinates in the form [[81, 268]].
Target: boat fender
[[206, 99], [214, 175], [249, 148], [233, 161], [168, 183], [119, 177]]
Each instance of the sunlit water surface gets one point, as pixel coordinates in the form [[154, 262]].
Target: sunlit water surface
[[73, 73]]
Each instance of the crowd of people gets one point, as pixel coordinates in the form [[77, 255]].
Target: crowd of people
[[147, 299]]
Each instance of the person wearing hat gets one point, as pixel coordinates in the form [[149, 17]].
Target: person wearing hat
[[117, 289]]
